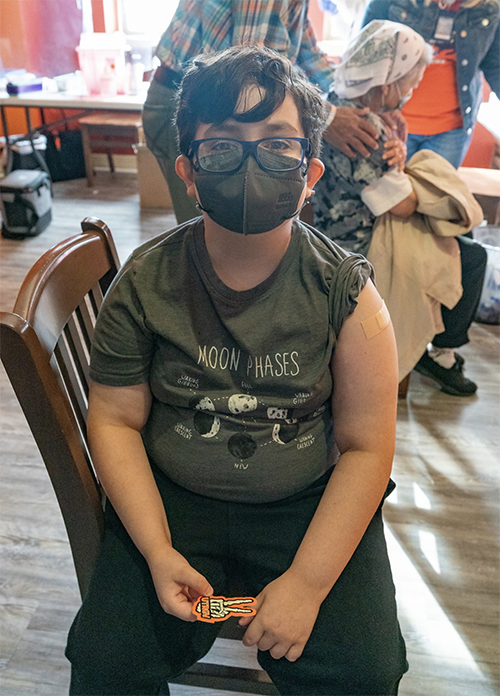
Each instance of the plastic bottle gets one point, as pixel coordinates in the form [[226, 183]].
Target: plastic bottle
[[108, 82], [137, 73]]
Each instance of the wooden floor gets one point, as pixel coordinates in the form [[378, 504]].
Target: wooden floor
[[442, 521]]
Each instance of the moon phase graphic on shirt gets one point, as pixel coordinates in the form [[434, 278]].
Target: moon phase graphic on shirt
[[202, 403], [206, 424], [277, 413], [242, 445], [242, 403], [285, 432]]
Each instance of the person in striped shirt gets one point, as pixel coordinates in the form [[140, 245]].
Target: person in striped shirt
[[214, 25]]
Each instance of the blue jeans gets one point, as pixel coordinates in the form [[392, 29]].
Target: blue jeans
[[452, 145]]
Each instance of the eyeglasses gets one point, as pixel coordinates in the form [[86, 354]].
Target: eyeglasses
[[227, 155]]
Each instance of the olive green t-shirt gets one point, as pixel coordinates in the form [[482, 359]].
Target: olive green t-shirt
[[241, 381]]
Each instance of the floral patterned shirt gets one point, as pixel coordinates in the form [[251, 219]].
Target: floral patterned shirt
[[339, 211]]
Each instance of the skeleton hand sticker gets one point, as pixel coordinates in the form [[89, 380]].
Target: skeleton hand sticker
[[212, 609]]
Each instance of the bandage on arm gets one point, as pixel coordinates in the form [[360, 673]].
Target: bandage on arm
[[377, 322]]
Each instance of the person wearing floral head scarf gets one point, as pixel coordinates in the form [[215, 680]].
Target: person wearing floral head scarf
[[380, 68]]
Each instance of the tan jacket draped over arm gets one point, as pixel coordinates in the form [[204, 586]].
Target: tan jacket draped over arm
[[416, 260]]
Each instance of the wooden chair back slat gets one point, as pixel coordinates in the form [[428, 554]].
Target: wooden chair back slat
[[45, 348], [76, 392]]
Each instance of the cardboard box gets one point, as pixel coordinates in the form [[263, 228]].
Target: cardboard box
[[153, 189]]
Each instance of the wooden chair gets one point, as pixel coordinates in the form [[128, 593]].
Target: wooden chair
[[403, 386], [45, 348]]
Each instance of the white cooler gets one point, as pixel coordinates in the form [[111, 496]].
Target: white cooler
[[26, 203]]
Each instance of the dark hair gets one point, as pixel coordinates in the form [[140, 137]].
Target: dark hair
[[211, 87]]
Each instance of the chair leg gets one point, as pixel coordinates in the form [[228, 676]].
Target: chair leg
[[403, 386], [110, 161], [87, 154]]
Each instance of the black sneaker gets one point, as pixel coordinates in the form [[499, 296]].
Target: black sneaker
[[459, 358], [451, 380]]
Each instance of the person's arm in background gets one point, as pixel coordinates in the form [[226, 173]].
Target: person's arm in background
[[395, 151], [364, 415], [490, 65], [407, 206], [391, 193], [381, 184], [115, 419]]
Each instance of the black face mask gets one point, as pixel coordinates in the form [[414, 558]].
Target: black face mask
[[251, 200]]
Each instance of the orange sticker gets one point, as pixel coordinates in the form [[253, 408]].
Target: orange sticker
[[212, 609]]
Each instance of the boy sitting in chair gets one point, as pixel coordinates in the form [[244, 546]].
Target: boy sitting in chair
[[242, 416]]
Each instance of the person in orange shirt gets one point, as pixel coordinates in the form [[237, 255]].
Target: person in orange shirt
[[465, 36]]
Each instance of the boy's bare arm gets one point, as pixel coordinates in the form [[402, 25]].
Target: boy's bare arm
[[364, 415], [364, 411], [116, 418]]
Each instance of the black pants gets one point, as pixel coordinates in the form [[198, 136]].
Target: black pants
[[457, 321], [122, 642]]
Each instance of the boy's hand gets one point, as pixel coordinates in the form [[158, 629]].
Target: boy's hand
[[177, 584], [350, 132], [286, 613]]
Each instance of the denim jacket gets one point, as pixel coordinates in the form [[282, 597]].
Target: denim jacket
[[476, 32]]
